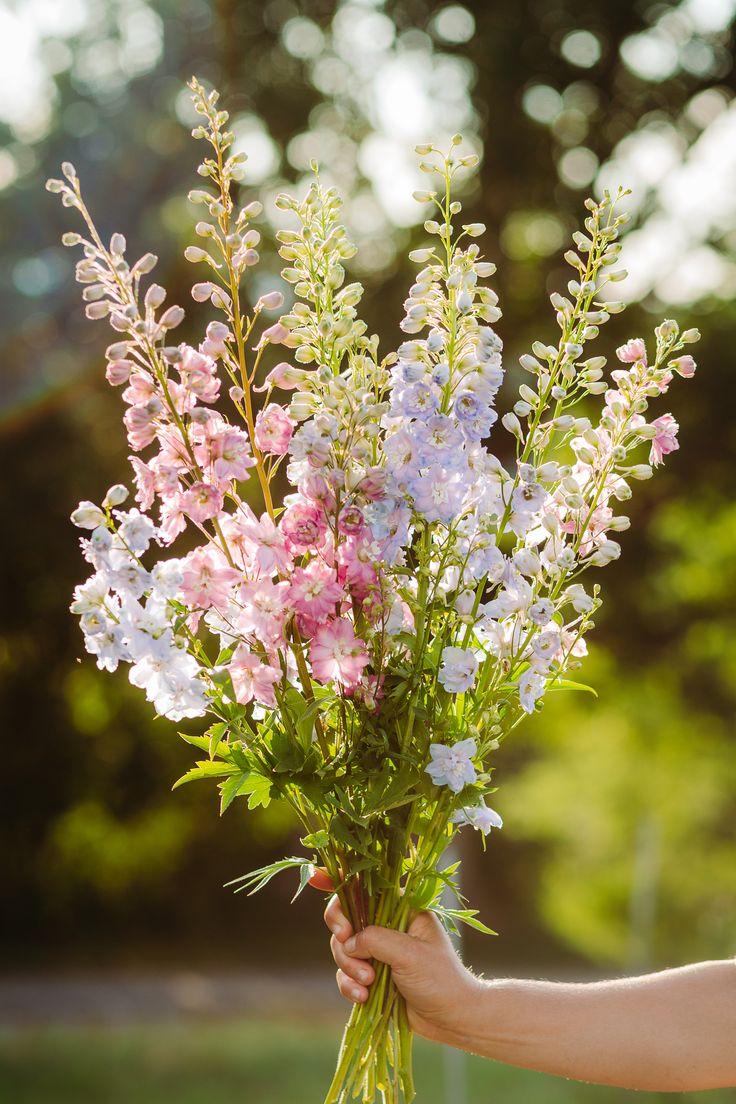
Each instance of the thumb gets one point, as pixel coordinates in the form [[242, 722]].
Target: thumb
[[427, 928], [385, 944]]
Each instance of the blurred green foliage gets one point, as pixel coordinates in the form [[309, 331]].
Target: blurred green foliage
[[263, 1062], [620, 841]]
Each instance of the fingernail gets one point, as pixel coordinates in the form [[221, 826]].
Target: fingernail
[[336, 928], [350, 945], [356, 994], [364, 975]]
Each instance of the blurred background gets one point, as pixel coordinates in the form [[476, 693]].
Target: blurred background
[[126, 969]]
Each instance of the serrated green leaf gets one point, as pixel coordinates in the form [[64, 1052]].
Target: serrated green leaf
[[318, 840], [206, 769], [259, 789], [216, 733], [288, 752], [231, 788]]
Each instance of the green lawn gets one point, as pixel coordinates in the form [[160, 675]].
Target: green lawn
[[247, 1062]]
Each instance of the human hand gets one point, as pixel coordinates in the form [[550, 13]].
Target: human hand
[[439, 991]]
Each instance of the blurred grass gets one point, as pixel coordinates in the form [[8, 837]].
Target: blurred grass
[[258, 1062]]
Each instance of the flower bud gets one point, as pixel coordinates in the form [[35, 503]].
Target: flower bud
[[202, 292], [272, 300], [585, 453], [88, 516], [530, 363], [146, 264], [512, 424], [97, 310], [640, 471], [689, 337], [667, 330], [116, 496], [684, 366], [171, 318], [274, 335], [118, 372], [154, 296], [302, 406], [607, 552]]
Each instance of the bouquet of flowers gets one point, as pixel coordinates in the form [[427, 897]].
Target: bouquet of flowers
[[361, 645]]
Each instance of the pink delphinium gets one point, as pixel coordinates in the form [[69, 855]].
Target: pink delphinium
[[274, 430], [201, 502], [633, 350], [206, 579], [314, 591], [252, 678], [198, 374], [303, 525], [338, 655], [665, 440], [270, 551]]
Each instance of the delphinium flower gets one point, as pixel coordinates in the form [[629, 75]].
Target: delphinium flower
[[363, 644]]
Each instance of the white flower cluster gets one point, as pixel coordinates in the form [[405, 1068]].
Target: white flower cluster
[[126, 612]]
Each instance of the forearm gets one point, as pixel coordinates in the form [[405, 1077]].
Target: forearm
[[673, 1031]]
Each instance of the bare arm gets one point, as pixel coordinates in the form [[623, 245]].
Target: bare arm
[[673, 1031]]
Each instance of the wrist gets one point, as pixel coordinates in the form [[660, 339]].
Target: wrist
[[462, 1023]]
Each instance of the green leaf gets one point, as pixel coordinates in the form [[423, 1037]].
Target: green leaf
[[201, 742], [304, 875], [318, 840], [259, 789], [303, 713], [393, 794], [237, 754], [288, 752], [231, 788], [206, 769], [449, 918], [566, 684], [424, 895], [204, 743], [216, 733], [257, 879]]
